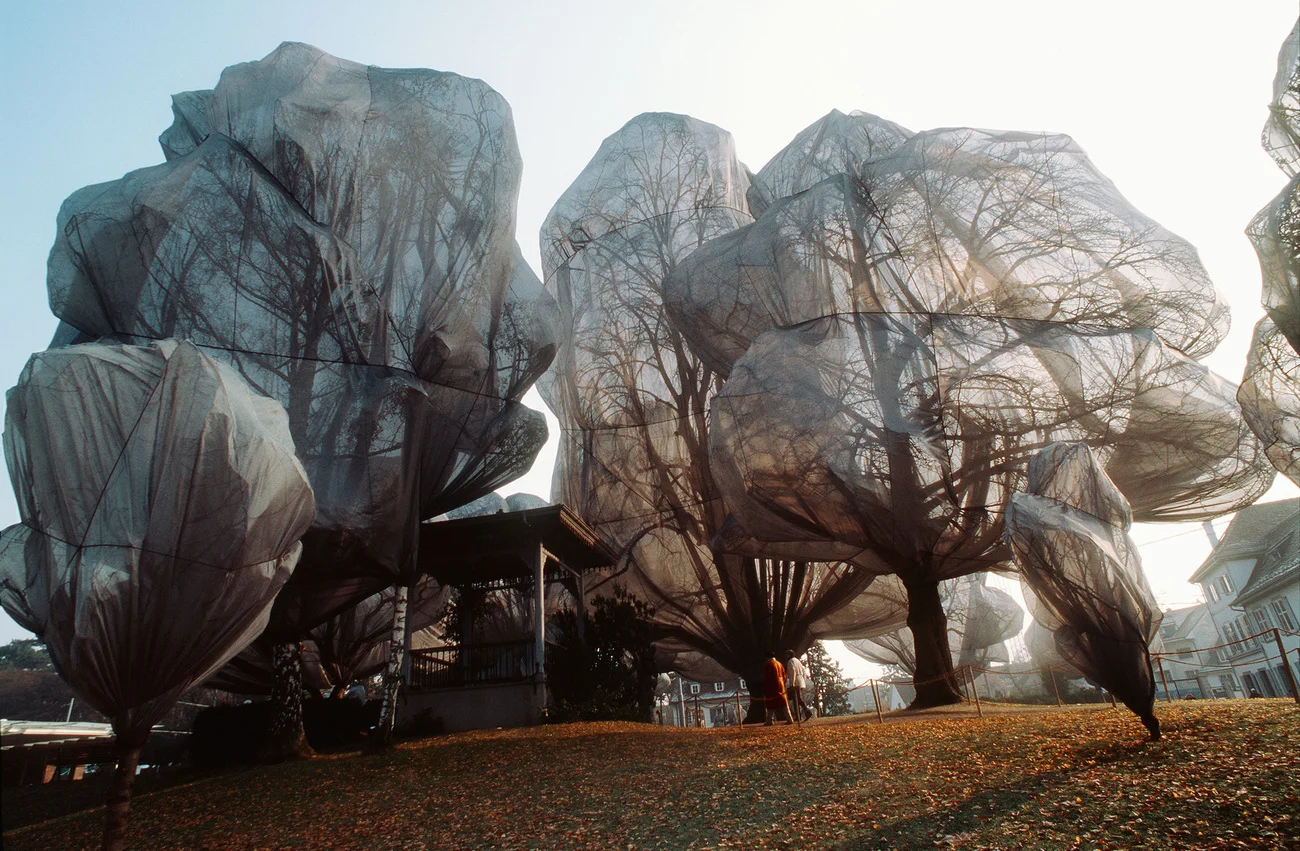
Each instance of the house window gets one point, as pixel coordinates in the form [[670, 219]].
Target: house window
[[1212, 592], [1265, 683], [1285, 616], [1283, 681], [742, 684], [1243, 626], [1262, 620], [1225, 584], [695, 688], [719, 686], [1230, 629]]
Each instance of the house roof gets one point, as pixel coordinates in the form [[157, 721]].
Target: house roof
[[1183, 621], [1250, 533], [495, 546], [1279, 566]]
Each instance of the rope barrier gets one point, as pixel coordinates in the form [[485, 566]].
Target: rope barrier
[[964, 678]]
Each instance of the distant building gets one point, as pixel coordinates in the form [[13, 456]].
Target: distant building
[[1251, 583], [687, 703], [1193, 664]]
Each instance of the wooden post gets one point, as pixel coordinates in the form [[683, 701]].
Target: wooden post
[[740, 716], [970, 672], [539, 625], [582, 608], [1055, 688], [1286, 666], [1297, 656], [875, 696], [681, 700], [1161, 662]]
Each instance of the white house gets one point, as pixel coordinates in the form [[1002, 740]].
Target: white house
[[1251, 583], [1191, 664]]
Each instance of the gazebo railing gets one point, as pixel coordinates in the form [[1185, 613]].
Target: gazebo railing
[[456, 665]]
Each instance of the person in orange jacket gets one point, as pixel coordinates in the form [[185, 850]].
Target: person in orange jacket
[[774, 699]]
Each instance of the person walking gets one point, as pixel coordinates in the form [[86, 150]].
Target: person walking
[[796, 680], [774, 700]]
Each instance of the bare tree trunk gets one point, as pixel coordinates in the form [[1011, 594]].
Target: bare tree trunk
[[383, 734], [119, 796], [936, 685], [286, 738], [755, 713]]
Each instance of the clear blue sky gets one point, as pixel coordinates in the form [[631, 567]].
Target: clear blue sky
[[1167, 97]]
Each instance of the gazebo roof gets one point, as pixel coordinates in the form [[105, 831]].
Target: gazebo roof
[[493, 547]]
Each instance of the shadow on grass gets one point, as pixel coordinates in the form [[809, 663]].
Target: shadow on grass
[[979, 811], [925, 830]]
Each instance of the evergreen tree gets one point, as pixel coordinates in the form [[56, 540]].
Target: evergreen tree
[[830, 688], [25, 654]]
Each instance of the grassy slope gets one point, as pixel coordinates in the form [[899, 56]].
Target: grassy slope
[[1223, 777]]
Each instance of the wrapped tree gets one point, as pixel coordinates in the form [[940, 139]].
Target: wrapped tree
[[900, 338], [1270, 388], [161, 506], [1069, 533], [350, 646], [343, 236], [633, 402]]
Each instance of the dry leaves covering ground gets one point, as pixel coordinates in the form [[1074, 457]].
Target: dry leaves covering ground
[[1225, 776]]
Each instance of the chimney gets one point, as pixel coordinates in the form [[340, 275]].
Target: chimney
[[1210, 533]]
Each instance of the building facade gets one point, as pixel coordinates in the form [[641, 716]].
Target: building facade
[[1191, 664], [1251, 583]]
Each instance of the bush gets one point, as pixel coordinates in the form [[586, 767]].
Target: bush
[[611, 675]]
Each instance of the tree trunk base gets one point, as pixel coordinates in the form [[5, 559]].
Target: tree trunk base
[[119, 797], [934, 679], [286, 740], [931, 698]]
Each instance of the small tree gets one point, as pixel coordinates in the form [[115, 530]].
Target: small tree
[[609, 673], [829, 685]]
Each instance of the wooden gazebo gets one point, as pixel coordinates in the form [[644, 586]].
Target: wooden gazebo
[[474, 686]]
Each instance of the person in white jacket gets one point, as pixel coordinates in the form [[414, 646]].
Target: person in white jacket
[[796, 680]]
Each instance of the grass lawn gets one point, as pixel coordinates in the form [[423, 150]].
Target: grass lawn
[[1226, 775]]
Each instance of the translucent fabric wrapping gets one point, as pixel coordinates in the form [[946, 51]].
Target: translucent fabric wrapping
[[1270, 397], [1270, 388], [1281, 135], [343, 236], [350, 646], [900, 338], [1084, 581], [900, 441], [1275, 233], [633, 399], [838, 144], [980, 620], [162, 505], [953, 222]]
